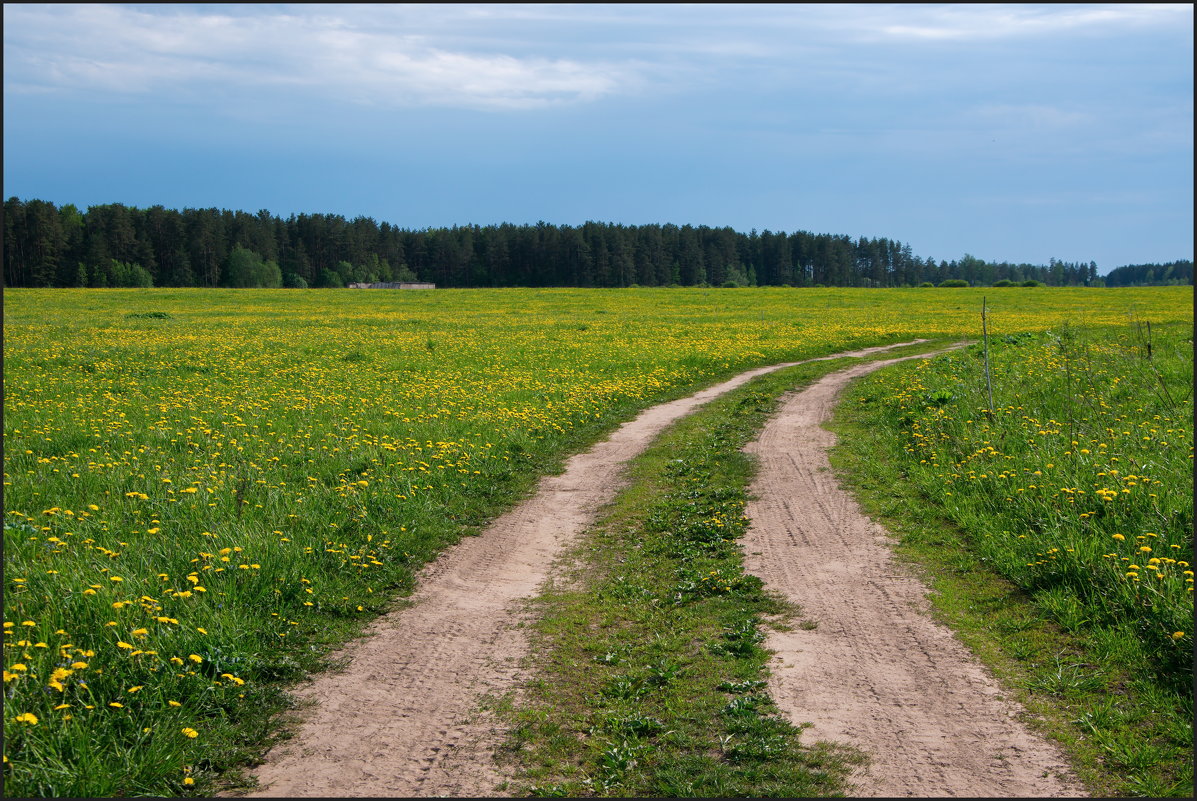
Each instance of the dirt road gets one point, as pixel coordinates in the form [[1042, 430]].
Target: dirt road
[[877, 672], [402, 719]]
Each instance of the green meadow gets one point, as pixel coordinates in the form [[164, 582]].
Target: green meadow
[[205, 490]]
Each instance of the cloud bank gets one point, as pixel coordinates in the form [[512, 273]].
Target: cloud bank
[[125, 49], [487, 57]]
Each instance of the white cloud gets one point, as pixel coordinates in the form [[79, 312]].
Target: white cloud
[[125, 49], [518, 56], [952, 22]]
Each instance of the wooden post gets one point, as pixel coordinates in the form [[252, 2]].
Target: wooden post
[[985, 333]]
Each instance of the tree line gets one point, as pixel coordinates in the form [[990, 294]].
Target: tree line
[[1174, 273], [115, 245]]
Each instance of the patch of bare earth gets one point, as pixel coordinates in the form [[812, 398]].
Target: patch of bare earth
[[404, 717], [877, 672]]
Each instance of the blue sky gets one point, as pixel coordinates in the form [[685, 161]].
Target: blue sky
[[1011, 132]]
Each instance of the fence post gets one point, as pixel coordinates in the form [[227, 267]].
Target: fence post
[[985, 333]]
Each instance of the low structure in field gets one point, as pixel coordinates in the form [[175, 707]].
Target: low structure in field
[[394, 285]]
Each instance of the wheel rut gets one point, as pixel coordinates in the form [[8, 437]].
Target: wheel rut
[[876, 672], [403, 717]]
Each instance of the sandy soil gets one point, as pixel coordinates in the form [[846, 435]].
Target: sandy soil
[[877, 672], [403, 719]]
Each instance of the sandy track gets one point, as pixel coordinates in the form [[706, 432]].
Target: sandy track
[[877, 672], [402, 719]]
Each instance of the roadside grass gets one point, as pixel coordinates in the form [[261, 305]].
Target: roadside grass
[[649, 676], [1077, 599]]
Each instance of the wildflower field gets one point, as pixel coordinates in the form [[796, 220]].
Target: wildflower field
[[203, 489], [1080, 483]]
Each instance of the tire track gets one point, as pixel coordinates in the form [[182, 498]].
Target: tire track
[[403, 719], [877, 672]]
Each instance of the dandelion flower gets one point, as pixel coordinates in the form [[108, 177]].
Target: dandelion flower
[[192, 733]]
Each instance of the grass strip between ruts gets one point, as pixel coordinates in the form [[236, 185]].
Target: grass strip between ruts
[[649, 677]]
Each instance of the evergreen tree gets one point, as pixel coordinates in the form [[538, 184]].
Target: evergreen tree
[[44, 246]]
